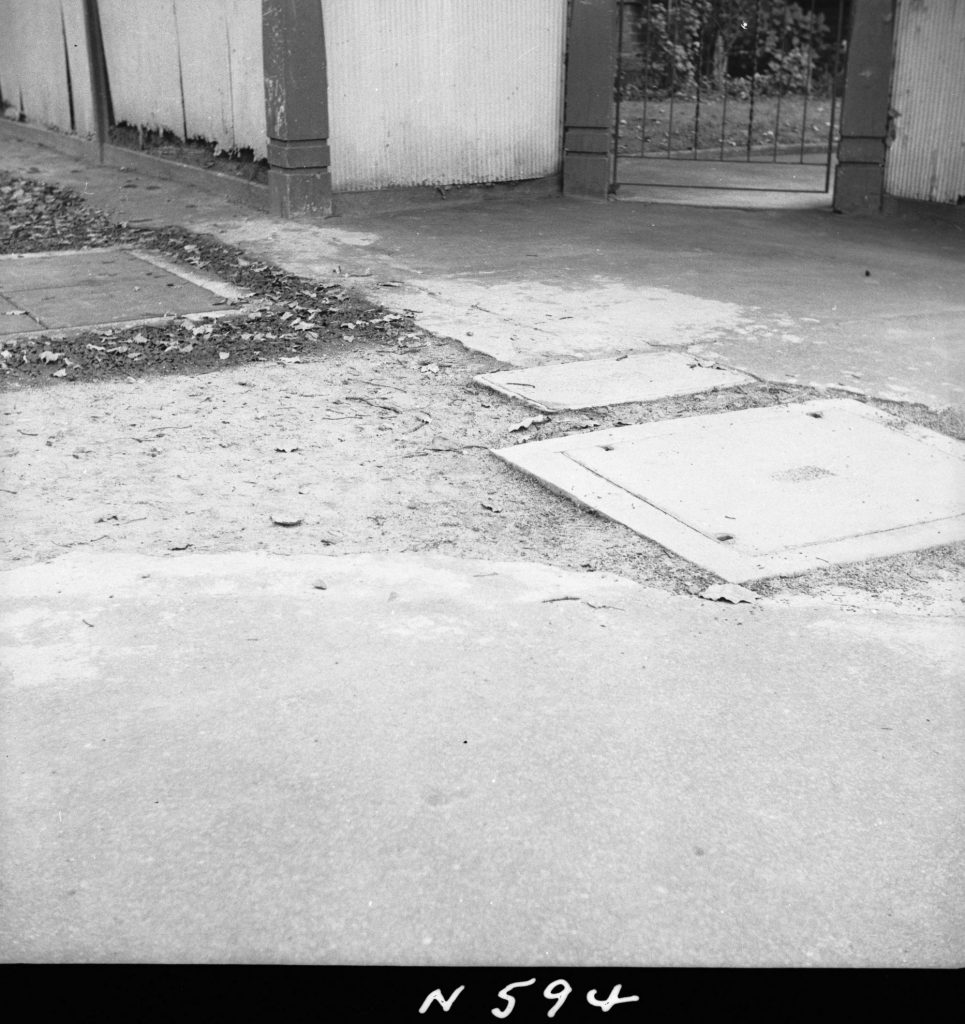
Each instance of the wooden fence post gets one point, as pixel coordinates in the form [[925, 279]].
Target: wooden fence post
[[588, 117], [99, 88], [859, 178], [296, 107]]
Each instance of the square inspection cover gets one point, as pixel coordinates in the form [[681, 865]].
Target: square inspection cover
[[766, 492], [104, 288], [599, 382]]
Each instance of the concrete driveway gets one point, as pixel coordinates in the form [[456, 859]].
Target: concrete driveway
[[438, 761]]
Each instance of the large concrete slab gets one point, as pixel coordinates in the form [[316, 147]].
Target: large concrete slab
[[91, 288], [766, 492], [599, 382], [205, 758]]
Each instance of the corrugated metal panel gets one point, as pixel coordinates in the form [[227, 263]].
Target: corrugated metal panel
[[141, 49], [76, 37], [188, 67], [222, 72], [33, 72], [927, 158], [440, 92]]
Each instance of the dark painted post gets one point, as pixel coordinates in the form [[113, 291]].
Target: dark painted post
[[588, 116], [296, 105], [99, 88], [859, 179]]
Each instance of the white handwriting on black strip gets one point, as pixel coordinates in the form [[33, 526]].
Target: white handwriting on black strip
[[558, 991]]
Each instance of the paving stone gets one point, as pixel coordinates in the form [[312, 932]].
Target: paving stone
[[598, 382], [54, 270], [766, 492], [103, 287], [107, 302]]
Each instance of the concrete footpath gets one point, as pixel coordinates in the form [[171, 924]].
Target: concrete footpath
[[407, 759], [432, 761]]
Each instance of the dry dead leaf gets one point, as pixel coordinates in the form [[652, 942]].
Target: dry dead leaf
[[733, 593], [286, 519], [529, 422]]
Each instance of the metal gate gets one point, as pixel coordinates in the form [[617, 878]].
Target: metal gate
[[729, 94]]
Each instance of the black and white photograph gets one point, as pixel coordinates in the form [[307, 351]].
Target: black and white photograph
[[483, 494]]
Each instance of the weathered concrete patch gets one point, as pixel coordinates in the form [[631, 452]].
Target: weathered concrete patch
[[530, 322], [598, 382], [77, 290], [767, 492]]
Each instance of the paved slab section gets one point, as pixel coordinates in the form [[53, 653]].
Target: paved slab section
[[433, 761], [91, 288], [598, 382], [766, 492], [27, 271]]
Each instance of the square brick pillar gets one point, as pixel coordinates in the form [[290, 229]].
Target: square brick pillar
[[296, 108], [588, 117], [860, 176]]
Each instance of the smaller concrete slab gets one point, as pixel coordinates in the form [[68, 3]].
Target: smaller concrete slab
[[111, 302], [766, 492], [82, 289], [56, 269], [599, 382]]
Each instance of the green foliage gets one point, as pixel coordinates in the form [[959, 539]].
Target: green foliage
[[672, 46]]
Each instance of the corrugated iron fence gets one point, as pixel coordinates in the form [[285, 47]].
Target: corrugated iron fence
[[187, 67], [432, 92], [421, 92], [926, 159]]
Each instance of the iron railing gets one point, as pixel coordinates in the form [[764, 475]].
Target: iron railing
[[752, 81]]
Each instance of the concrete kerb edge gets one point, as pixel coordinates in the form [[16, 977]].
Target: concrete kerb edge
[[222, 289], [387, 200], [57, 333]]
